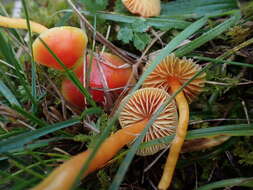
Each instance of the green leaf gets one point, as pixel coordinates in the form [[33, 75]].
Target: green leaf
[[119, 7], [5, 91], [141, 40], [95, 5], [19, 141], [125, 34], [140, 26]]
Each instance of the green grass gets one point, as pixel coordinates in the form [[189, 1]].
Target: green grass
[[38, 130]]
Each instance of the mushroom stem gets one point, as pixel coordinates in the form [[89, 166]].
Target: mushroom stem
[[64, 176], [21, 24], [177, 143]]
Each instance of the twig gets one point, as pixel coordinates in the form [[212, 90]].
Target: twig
[[107, 36], [89, 126], [156, 159], [245, 111], [101, 38], [3, 127], [236, 49], [25, 124], [61, 151]]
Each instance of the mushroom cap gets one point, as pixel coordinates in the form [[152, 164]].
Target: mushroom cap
[[142, 105], [68, 44], [145, 8], [179, 69]]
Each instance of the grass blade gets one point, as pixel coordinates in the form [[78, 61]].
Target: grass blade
[[222, 61], [34, 94], [198, 8], [29, 116], [21, 165], [10, 57], [230, 130], [6, 92], [242, 182], [211, 34], [19, 141]]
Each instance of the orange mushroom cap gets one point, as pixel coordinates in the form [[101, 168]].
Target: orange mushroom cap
[[142, 105], [173, 68], [68, 43], [145, 8]]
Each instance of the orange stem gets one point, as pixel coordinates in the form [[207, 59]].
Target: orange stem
[[64, 176], [21, 24], [178, 141]]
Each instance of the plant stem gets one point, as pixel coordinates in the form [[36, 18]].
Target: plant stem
[[21, 24], [64, 176], [177, 143]]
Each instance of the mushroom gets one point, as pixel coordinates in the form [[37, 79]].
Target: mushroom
[[170, 75], [136, 112], [140, 107], [68, 43], [107, 71], [145, 8]]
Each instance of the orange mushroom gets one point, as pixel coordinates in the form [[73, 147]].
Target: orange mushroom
[[140, 107], [68, 43], [136, 113], [170, 75], [107, 71], [145, 8]]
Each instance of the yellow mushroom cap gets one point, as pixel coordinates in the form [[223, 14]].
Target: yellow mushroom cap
[[142, 105], [145, 8], [178, 69]]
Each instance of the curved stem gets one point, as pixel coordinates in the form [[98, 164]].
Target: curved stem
[[21, 24], [64, 176], [177, 143]]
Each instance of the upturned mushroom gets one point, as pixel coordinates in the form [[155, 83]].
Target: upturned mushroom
[[68, 43], [136, 112], [145, 8], [139, 108], [170, 75]]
